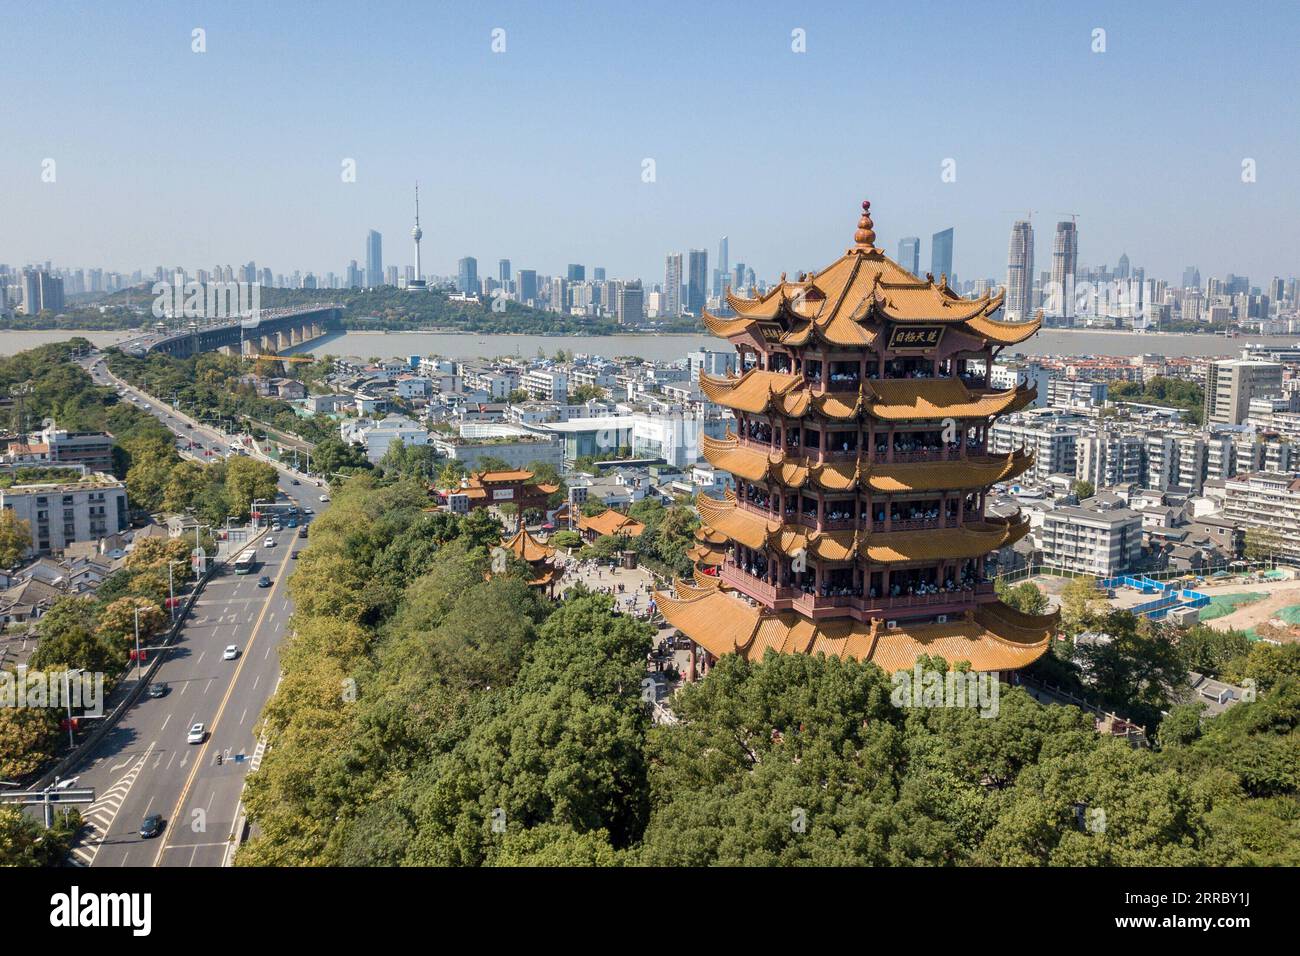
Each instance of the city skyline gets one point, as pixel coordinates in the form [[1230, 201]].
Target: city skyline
[[517, 189]]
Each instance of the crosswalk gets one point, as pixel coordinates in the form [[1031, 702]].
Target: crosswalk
[[99, 816]]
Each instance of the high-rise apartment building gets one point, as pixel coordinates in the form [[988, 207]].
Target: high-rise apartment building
[[673, 284], [503, 270], [527, 285], [577, 273], [1231, 384], [631, 303], [697, 280], [941, 254], [1065, 263], [467, 276], [1020, 272], [374, 258], [909, 254]]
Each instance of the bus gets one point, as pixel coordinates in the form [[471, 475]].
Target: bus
[[245, 563]]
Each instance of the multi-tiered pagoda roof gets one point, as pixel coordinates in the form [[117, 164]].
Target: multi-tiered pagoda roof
[[858, 525]]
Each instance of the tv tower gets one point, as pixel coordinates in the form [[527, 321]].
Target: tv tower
[[417, 234]]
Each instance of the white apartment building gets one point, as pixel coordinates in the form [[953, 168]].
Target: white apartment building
[[1106, 459], [1075, 393], [377, 436], [546, 385], [1268, 502], [1099, 536], [1231, 384], [1049, 434], [61, 513]]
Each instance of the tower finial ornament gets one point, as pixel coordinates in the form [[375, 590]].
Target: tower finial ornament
[[865, 237]]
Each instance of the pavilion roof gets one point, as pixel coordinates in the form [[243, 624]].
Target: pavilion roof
[[610, 521], [524, 546]]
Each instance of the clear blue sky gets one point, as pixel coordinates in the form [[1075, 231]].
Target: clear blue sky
[[167, 156]]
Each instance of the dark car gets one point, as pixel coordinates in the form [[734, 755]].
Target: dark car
[[158, 690], [302, 532], [293, 555], [152, 826], [294, 481], [264, 582]]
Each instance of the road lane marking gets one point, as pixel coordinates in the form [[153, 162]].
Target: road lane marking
[[101, 814], [230, 689]]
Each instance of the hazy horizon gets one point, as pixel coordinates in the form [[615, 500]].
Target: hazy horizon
[[164, 156]]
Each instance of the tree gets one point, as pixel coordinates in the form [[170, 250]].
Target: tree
[[249, 480], [1080, 604], [1083, 489], [152, 459], [187, 481], [15, 539], [332, 456], [450, 474], [117, 623], [28, 735], [566, 539], [24, 842], [1024, 597], [1263, 544], [1138, 670]]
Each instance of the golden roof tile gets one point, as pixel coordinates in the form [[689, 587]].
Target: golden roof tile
[[524, 545], [991, 638], [903, 399], [610, 521], [975, 472], [1004, 333]]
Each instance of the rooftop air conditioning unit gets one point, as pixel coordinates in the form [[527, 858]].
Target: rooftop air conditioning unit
[[891, 625], [941, 619]]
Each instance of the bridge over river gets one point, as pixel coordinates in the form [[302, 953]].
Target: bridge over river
[[273, 330]]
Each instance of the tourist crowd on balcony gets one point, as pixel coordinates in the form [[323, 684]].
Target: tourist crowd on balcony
[[758, 431]]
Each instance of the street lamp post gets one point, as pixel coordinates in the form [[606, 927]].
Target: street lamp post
[[137, 642], [171, 588], [67, 697]]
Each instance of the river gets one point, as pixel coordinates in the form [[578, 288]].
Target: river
[[660, 348], [13, 341]]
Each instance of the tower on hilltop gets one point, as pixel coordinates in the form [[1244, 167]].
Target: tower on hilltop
[[860, 454]]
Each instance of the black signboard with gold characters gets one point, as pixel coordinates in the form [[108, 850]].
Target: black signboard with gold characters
[[771, 331], [915, 337]]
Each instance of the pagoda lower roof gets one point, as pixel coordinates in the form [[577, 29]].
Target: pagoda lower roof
[[753, 464], [759, 391], [992, 637], [971, 540]]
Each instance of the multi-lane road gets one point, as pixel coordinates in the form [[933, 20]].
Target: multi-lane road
[[144, 765]]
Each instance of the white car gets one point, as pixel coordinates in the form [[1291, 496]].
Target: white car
[[269, 543], [198, 733], [324, 497], [230, 653]]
